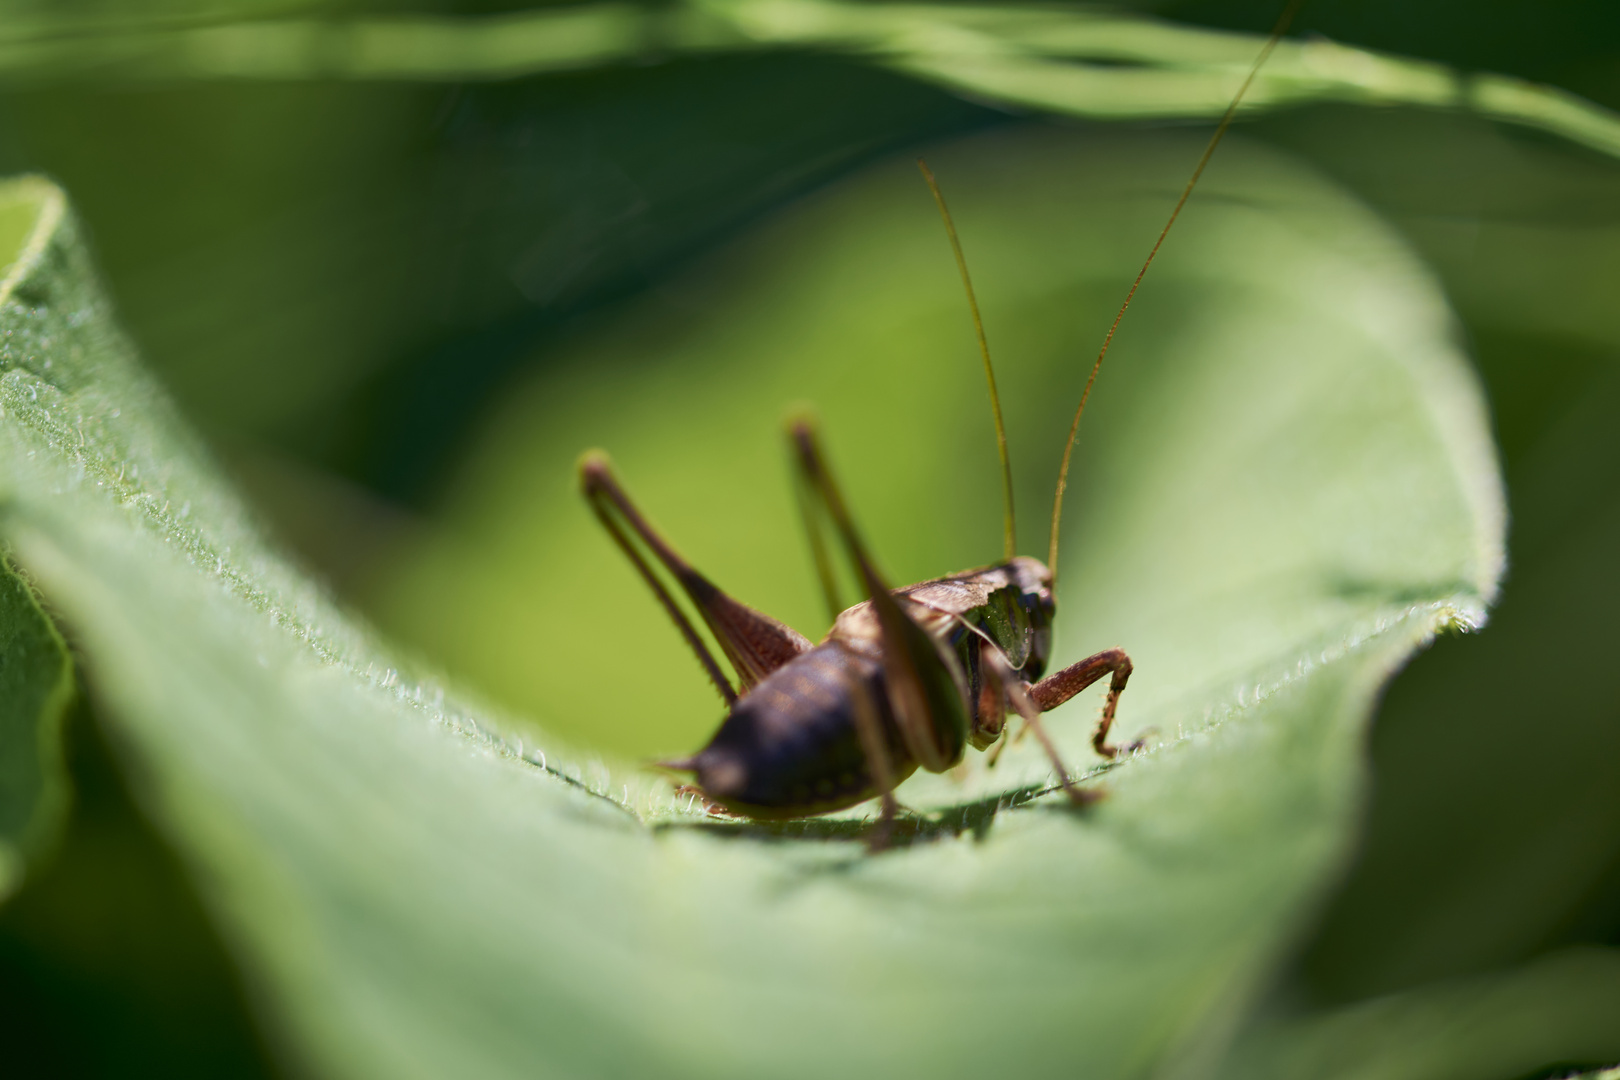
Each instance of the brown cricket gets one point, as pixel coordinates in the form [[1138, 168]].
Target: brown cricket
[[908, 677]]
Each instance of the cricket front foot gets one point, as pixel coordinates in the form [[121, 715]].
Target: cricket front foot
[[710, 807], [1113, 753]]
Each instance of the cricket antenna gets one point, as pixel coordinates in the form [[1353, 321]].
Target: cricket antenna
[[1010, 529], [1220, 130]]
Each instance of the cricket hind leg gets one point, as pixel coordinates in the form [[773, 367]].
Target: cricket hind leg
[[869, 728], [818, 545], [925, 684], [926, 692], [753, 642], [596, 482], [1059, 687]]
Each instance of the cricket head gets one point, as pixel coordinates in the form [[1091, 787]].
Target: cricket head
[[1032, 607]]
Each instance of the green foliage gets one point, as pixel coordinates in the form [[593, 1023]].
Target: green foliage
[[108, 964], [1065, 61], [36, 685], [1473, 860], [1287, 486], [36, 675], [415, 898], [1560, 1009]]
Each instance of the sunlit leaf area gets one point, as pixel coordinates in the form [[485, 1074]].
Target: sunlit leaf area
[[328, 710]]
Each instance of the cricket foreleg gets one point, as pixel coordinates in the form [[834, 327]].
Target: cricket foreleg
[[1059, 687], [1017, 694]]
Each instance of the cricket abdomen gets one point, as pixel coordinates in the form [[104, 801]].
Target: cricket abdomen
[[790, 747]]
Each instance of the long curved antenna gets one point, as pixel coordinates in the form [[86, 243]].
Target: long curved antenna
[[1010, 528], [1220, 130]]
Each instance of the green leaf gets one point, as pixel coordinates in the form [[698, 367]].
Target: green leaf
[[1287, 486], [1462, 871], [36, 675], [109, 965], [1073, 61], [1555, 1013], [36, 686]]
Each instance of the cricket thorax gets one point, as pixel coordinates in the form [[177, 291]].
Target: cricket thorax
[[1009, 603]]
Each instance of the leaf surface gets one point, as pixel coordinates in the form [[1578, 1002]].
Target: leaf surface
[[1289, 489], [36, 675], [36, 685], [1461, 871], [1554, 1011]]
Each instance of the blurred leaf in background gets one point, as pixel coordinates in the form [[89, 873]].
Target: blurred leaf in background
[[109, 965], [341, 280], [36, 689], [1496, 831]]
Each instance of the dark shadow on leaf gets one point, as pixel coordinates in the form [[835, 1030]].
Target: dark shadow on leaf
[[910, 828]]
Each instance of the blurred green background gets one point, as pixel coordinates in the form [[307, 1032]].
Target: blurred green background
[[343, 282]]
